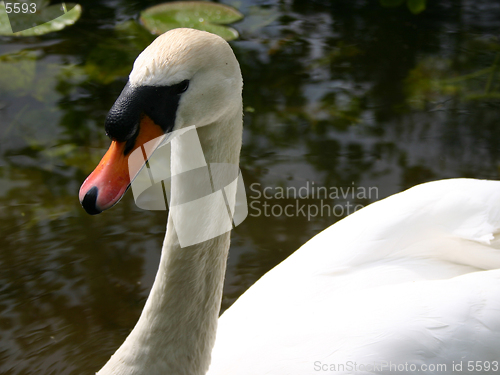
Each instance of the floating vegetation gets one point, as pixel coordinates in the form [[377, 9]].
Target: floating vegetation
[[38, 18], [201, 15]]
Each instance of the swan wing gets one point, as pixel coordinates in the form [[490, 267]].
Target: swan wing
[[409, 279]]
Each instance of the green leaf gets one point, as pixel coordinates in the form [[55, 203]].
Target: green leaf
[[5, 28], [50, 12], [416, 6], [391, 3], [201, 15]]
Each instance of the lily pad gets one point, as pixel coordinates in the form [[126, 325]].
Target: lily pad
[[70, 14], [416, 6], [201, 15]]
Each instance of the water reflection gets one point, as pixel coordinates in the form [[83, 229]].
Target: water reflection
[[343, 93]]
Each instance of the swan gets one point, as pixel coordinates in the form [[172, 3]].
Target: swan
[[409, 284]]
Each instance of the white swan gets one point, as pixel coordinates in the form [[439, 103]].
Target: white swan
[[404, 285]]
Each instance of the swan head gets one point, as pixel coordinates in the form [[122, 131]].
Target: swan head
[[185, 77]]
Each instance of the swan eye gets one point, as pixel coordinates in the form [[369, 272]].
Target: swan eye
[[181, 87]]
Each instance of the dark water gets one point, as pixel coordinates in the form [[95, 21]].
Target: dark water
[[338, 94]]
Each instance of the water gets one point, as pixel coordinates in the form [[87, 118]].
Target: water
[[339, 95]]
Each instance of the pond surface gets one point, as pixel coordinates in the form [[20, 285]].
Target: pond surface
[[347, 95]]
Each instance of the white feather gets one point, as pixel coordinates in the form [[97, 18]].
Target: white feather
[[403, 280]]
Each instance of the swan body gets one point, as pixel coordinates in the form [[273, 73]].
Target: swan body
[[410, 279]]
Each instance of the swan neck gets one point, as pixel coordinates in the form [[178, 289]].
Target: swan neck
[[176, 331]]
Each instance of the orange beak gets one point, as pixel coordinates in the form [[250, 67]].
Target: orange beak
[[107, 184]]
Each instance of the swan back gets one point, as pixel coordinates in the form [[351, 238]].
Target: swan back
[[396, 282]]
